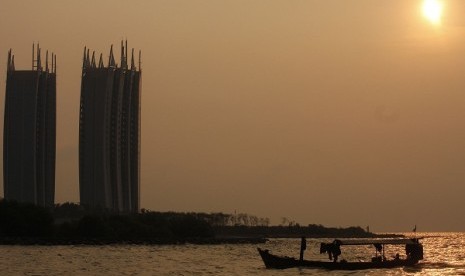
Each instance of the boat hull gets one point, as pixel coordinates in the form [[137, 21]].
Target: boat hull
[[278, 262]]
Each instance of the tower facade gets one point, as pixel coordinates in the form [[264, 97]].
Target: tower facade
[[109, 133], [30, 132]]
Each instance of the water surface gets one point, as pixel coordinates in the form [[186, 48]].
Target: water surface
[[444, 255]]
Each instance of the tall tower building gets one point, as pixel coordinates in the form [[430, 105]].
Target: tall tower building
[[30, 131], [109, 133]]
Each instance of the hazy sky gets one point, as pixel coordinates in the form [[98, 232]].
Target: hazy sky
[[322, 111]]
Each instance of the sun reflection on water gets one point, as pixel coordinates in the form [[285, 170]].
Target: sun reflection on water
[[443, 252]]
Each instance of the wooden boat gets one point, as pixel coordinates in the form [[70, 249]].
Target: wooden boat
[[414, 252]]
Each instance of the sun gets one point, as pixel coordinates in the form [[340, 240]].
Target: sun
[[432, 10]]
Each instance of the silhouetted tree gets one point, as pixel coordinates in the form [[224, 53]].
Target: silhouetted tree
[[24, 220], [92, 227]]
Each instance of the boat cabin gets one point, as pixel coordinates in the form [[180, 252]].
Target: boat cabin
[[413, 248]]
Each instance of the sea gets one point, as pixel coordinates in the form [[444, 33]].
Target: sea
[[444, 254]]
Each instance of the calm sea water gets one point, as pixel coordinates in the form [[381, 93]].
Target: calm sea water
[[444, 255]]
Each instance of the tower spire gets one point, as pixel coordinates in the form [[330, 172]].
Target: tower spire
[[39, 62], [126, 54], [46, 61], [132, 60], [93, 60], [111, 59], [88, 58], [84, 58], [100, 62], [122, 54]]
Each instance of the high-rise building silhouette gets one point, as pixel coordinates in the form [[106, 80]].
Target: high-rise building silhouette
[[109, 133], [30, 131]]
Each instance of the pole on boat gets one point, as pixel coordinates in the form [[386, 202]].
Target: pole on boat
[[303, 246]]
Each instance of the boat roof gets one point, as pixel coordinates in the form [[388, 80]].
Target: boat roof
[[378, 241]]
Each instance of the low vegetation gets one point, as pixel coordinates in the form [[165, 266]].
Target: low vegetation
[[72, 223]]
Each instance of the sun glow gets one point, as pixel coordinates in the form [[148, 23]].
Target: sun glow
[[432, 10]]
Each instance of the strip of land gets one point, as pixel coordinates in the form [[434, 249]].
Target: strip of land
[[72, 224]]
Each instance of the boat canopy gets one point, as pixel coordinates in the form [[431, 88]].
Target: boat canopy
[[378, 241]]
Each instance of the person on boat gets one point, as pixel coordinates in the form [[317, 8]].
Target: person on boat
[[333, 249], [414, 251], [303, 247], [336, 248]]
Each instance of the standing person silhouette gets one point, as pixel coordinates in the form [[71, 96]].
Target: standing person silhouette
[[303, 246]]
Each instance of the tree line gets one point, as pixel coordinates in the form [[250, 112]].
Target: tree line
[[72, 221], [69, 221]]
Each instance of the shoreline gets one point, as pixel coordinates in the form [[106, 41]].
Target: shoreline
[[149, 241], [44, 241]]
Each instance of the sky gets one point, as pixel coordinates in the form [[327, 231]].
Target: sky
[[341, 113]]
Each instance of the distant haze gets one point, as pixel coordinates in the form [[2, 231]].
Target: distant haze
[[321, 111]]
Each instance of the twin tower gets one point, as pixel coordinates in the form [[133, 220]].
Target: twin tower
[[109, 132]]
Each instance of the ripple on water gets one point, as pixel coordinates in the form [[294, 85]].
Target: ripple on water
[[444, 255]]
